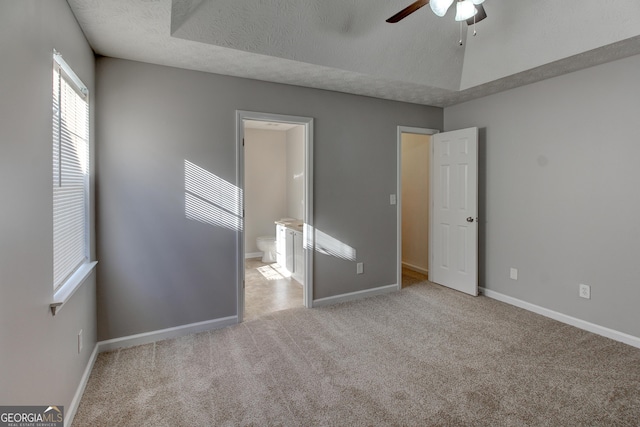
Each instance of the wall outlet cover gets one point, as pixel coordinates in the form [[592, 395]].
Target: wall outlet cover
[[585, 291], [513, 274]]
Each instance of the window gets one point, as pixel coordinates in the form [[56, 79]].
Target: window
[[70, 172]]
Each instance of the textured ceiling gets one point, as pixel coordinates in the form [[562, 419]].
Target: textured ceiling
[[345, 45], [273, 126]]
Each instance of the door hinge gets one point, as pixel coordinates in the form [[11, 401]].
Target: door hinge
[[243, 142], [243, 284]]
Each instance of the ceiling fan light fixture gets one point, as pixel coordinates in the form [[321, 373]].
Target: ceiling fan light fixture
[[465, 9], [440, 7]]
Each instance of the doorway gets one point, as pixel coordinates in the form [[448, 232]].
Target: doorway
[[452, 208], [413, 199], [274, 167]]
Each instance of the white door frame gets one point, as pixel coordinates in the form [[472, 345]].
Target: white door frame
[[418, 131], [308, 238]]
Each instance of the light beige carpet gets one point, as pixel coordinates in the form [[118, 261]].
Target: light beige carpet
[[425, 356]]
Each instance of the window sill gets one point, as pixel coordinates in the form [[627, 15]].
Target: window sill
[[66, 291]]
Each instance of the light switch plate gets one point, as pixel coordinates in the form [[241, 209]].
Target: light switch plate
[[392, 199]]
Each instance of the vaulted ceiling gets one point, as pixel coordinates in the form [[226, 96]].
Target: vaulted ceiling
[[346, 45]]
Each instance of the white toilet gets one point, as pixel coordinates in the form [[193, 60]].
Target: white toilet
[[267, 244]]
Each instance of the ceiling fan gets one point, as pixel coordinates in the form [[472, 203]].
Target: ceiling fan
[[471, 11]]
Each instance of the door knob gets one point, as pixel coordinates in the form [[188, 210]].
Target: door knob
[[470, 219]]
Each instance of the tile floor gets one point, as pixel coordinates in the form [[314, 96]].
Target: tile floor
[[268, 288]]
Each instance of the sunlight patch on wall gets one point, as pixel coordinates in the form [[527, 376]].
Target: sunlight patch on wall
[[210, 199], [328, 245]]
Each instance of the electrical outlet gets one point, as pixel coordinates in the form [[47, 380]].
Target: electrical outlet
[[360, 268], [513, 274], [80, 343], [585, 291]]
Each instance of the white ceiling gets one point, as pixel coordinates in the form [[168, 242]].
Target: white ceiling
[[345, 45], [275, 126]]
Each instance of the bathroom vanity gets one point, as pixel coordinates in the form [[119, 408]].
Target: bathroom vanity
[[289, 247]]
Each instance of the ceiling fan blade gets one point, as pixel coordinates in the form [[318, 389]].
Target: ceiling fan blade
[[478, 16], [407, 11]]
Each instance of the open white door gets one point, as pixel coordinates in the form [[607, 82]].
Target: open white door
[[454, 222]]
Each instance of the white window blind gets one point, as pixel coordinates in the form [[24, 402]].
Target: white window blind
[[70, 172]]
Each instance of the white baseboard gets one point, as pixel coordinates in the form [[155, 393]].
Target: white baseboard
[[354, 295], [163, 334], [70, 413], [415, 268], [578, 323], [253, 255]]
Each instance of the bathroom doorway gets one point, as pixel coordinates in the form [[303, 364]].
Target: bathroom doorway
[[276, 240], [413, 199]]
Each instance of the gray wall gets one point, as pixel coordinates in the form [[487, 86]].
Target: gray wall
[[158, 269], [559, 192], [39, 362]]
